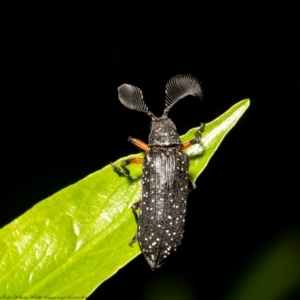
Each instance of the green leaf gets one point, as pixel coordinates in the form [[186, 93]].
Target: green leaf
[[74, 240]]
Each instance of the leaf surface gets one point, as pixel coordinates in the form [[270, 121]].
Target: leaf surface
[[72, 241]]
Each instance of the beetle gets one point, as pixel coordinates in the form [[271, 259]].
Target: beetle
[[165, 181]]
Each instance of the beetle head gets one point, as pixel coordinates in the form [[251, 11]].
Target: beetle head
[[163, 131]]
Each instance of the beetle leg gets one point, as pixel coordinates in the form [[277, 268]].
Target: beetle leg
[[118, 170], [133, 240], [197, 138], [134, 207], [141, 145], [124, 171], [192, 184]]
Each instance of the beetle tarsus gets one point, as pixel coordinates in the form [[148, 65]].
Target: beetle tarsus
[[133, 240], [131, 139], [134, 207], [197, 139], [202, 126], [193, 185], [125, 163], [124, 171]]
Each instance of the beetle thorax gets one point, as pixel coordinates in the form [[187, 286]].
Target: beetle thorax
[[163, 133]]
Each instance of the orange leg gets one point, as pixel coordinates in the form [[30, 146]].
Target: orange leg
[[141, 145], [124, 171], [136, 160]]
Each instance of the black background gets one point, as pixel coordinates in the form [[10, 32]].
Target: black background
[[61, 120]]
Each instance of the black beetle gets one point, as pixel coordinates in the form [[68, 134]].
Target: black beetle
[[165, 178]]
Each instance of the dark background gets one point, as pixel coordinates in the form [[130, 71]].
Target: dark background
[[61, 120]]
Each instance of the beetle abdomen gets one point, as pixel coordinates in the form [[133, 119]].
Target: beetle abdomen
[[163, 204]]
